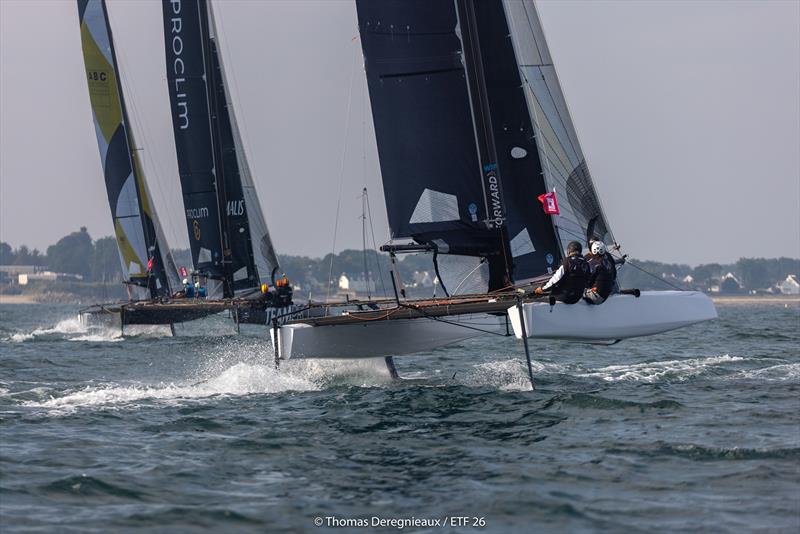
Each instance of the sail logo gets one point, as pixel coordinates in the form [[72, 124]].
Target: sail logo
[[235, 208], [197, 213], [97, 76], [178, 66], [495, 203]]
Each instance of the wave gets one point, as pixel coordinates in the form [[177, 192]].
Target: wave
[[660, 370], [73, 329], [779, 373], [237, 380], [700, 452]]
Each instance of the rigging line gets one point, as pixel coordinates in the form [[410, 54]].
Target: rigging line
[[480, 263], [645, 271], [375, 249], [341, 171], [364, 241]]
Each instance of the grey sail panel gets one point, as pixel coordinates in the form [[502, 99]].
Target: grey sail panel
[[424, 128], [185, 31], [260, 243], [563, 162], [143, 253]]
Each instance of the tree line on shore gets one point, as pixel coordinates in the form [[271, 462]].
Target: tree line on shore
[[98, 261]]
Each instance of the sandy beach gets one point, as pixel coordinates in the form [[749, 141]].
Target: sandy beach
[[790, 300], [18, 299]]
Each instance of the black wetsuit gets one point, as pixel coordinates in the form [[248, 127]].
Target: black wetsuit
[[603, 275], [574, 277]]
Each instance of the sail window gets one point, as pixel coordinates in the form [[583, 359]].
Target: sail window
[[435, 206], [522, 244], [518, 152]]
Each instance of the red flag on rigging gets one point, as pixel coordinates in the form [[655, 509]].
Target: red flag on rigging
[[150, 263], [549, 203]]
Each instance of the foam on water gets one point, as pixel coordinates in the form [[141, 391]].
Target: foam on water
[[782, 372], [660, 370], [237, 380], [240, 379], [73, 329]]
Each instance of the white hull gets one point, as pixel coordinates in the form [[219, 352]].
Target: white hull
[[372, 339], [620, 317]]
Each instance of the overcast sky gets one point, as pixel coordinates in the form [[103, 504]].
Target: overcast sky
[[688, 113]]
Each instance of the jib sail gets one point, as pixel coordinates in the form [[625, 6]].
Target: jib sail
[[145, 256], [564, 167], [223, 215]]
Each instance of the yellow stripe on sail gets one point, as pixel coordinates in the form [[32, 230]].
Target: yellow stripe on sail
[[129, 255], [102, 85]]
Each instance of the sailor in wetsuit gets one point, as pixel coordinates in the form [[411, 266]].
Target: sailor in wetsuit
[[603, 277], [569, 281]]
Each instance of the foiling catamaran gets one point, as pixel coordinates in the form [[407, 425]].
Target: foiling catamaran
[[231, 250], [472, 128]]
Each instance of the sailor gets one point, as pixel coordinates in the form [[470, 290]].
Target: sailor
[[283, 291], [188, 289], [569, 281], [603, 277], [603, 280], [200, 290]]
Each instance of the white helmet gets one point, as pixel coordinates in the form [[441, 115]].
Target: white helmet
[[598, 248], [185, 281]]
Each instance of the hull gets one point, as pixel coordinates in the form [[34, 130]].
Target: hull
[[620, 317], [377, 338]]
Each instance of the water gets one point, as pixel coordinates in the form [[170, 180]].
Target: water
[[697, 429]]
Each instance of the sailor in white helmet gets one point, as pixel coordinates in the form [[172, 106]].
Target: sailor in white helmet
[[603, 277]]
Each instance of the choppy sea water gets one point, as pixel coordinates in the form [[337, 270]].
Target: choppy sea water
[[693, 430]]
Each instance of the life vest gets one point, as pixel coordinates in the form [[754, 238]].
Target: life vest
[[576, 276], [604, 274]]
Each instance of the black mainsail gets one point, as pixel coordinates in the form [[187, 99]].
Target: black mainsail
[[458, 135], [223, 214], [146, 260]]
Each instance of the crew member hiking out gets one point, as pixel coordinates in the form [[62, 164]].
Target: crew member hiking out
[[569, 281], [603, 277]]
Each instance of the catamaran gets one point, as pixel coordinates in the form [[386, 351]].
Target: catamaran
[[231, 250], [473, 130], [147, 265]]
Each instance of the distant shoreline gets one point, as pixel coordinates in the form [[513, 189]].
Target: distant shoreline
[[756, 299], [18, 299], [718, 299]]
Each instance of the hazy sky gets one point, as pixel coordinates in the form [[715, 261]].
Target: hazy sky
[[688, 113]]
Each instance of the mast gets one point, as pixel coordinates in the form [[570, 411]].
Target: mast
[[211, 67], [499, 265], [139, 238], [253, 247]]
